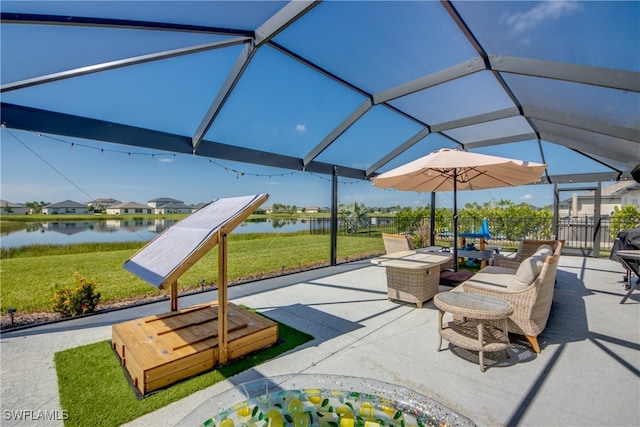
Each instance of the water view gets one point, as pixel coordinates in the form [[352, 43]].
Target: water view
[[63, 232]]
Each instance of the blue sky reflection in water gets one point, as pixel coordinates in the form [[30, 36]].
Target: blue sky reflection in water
[[297, 107], [60, 232]]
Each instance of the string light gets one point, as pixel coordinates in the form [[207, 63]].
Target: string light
[[238, 173]]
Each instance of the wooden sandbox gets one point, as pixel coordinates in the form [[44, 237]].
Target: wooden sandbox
[[159, 350]]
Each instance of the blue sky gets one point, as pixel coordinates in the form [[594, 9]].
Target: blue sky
[[297, 107], [54, 168]]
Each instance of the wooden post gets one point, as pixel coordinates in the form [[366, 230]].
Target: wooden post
[[483, 261], [174, 296], [222, 296]]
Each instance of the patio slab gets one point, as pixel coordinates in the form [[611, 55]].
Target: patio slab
[[587, 374]]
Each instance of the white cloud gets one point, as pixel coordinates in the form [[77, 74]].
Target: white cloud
[[527, 197], [519, 22], [301, 128], [164, 159]]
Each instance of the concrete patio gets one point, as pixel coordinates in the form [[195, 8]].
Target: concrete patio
[[588, 373]]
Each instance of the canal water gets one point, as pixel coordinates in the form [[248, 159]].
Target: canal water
[[63, 232]]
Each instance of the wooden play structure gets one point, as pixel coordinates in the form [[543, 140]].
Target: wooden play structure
[[157, 351]]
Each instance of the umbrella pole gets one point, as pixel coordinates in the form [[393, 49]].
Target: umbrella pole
[[455, 220], [432, 228]]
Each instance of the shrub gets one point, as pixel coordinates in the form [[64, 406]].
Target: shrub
[[80, 299], [624, 218]]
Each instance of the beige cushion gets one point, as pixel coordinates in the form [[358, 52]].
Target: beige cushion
[[527, 272], [492, 269], [492, 277], [544, 250]]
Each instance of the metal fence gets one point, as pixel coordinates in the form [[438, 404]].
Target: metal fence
[[581, 233]]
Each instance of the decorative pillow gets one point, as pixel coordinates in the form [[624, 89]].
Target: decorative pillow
[[527, 272], [544, 251]]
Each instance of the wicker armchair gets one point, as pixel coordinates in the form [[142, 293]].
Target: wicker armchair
[[402, 242], [397, 243], [526, 248], [531, 305]]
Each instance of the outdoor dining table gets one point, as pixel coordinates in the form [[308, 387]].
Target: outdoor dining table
[[630, 259], [412, 276]]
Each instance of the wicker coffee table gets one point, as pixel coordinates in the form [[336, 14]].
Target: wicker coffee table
[[412, 276], [473, 332]]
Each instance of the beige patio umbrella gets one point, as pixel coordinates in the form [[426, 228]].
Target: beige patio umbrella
[[453, 170]]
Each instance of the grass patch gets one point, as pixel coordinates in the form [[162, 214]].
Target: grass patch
[[31, 277], [30, 251], [94, 390]]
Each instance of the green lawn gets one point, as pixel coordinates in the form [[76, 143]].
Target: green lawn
[[30, 278], [94, 390]]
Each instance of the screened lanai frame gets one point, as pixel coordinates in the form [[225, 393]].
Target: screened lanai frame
[[419, 76]]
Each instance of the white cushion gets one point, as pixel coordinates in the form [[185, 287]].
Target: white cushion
[[527, 272]]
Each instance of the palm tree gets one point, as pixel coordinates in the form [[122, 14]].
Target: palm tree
[[354, 217]]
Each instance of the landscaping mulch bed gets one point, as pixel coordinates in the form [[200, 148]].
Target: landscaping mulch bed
[[21, 319]]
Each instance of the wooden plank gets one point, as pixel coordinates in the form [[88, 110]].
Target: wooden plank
[[222, 296], [248, 336], [203, 338], [187, 323], [156, 356], [174, 295], [136, 341], [136, 373], [235, 353], [171, 379], [117, 342], [251, 343], [178, 365], [180, 312], [206, 344]]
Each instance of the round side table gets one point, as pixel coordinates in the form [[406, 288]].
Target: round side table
[[473, 332]]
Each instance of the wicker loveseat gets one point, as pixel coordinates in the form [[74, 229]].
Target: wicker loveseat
[[531, 302]]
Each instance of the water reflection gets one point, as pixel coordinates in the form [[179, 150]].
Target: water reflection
[[108, 226], [115, 230], [275, 222]]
